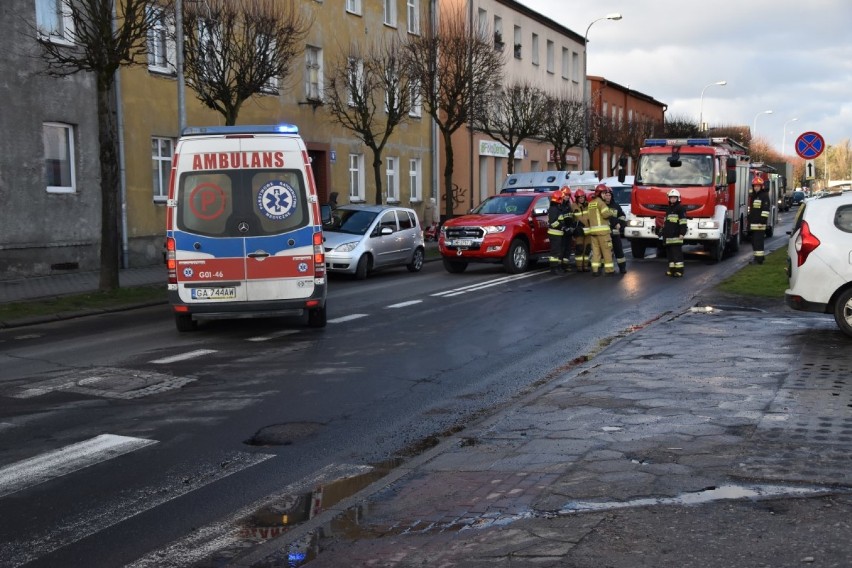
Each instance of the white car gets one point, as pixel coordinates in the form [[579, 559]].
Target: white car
[[819, 259], [360, 239]]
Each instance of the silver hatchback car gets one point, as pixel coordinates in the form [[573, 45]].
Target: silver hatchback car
[[360, 239]]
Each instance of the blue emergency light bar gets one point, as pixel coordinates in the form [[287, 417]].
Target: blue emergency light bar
[[282, 128], [677, 142]]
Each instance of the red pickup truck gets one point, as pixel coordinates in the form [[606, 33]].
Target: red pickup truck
[[510, 228]]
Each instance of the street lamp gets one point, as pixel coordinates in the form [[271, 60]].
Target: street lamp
[[754, 127], [701, 105], [614, 16], [181, 81], [784, 138]]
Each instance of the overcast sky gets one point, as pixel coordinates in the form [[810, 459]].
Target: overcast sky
[[791, 57]]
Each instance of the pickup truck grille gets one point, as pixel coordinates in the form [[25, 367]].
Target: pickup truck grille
[[464, 232]]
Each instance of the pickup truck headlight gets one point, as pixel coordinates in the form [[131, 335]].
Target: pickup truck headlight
[[708, 225], [494, 229]]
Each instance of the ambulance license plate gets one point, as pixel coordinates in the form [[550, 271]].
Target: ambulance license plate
[[213, 293]]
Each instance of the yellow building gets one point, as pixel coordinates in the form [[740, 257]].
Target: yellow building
[[341, 162]]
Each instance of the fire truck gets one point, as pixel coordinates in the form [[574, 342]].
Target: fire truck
[[711, 175]]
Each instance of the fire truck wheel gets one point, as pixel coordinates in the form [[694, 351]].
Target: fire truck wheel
[[518, 258]]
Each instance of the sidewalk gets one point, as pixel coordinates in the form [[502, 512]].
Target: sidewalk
[[711, 438]]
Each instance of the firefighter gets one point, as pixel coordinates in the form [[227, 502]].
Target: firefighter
[[672, 233], [568, 229], [555, 230], [598, 232], [616, 222], [581, 220], [758, 214]]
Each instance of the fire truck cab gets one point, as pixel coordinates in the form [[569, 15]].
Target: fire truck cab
[[711, 175]]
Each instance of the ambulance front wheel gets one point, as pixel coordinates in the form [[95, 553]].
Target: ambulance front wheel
[[317, 317], [184, 322]]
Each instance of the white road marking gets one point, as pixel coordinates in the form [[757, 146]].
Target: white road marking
[[488, 284], [404, 304], [274, 335], [183, 356], [103, 514], [350, 317], [66, 460]]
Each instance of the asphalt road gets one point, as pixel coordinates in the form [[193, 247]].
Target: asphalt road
[[118, 435]]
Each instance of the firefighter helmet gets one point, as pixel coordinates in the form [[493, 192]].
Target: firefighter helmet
[[566, 192], [674, 193], [556, 197], [757, 180], [601, 188], [579, 193]]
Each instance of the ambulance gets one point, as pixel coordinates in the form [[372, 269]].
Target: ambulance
[[243, 229]]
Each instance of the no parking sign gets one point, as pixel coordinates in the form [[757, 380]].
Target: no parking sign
[[809, 145]]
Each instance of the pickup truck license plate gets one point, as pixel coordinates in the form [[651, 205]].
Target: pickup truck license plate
[[462, 243], [213, 293]]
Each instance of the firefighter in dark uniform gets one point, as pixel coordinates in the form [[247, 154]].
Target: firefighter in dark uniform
[[556, 216], [568, 229], [616, 222], [758, 215], [672, 233]]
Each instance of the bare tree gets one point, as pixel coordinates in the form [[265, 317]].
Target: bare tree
[[679, 126], [633, 135], [455, 65], [104, 35], [236, 49], [370, 94], [564, 126], [513, 114]]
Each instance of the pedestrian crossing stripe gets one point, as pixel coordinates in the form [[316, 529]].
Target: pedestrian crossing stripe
[[68, 459]]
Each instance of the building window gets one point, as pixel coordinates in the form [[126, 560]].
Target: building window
[[566, 63], [356, 177], [162, 150], [313, 73], [575, 58], [415, 181], [498, 33], [355, 72], [390, 13], [534, 48], [550, 56], [517, 40], [482, 17], [59, 157], [266, 49], [53, 19], [353, 6], [161, 50], [413, 16], [392, 177], [416, 102]]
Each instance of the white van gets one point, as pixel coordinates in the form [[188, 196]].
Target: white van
[[243, 229]]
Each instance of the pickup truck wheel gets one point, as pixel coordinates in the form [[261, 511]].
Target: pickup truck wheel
[[843, 312], [638, 249], [455, 266], [518, 258]]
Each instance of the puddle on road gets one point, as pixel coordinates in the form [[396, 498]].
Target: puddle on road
[[290, 511]]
